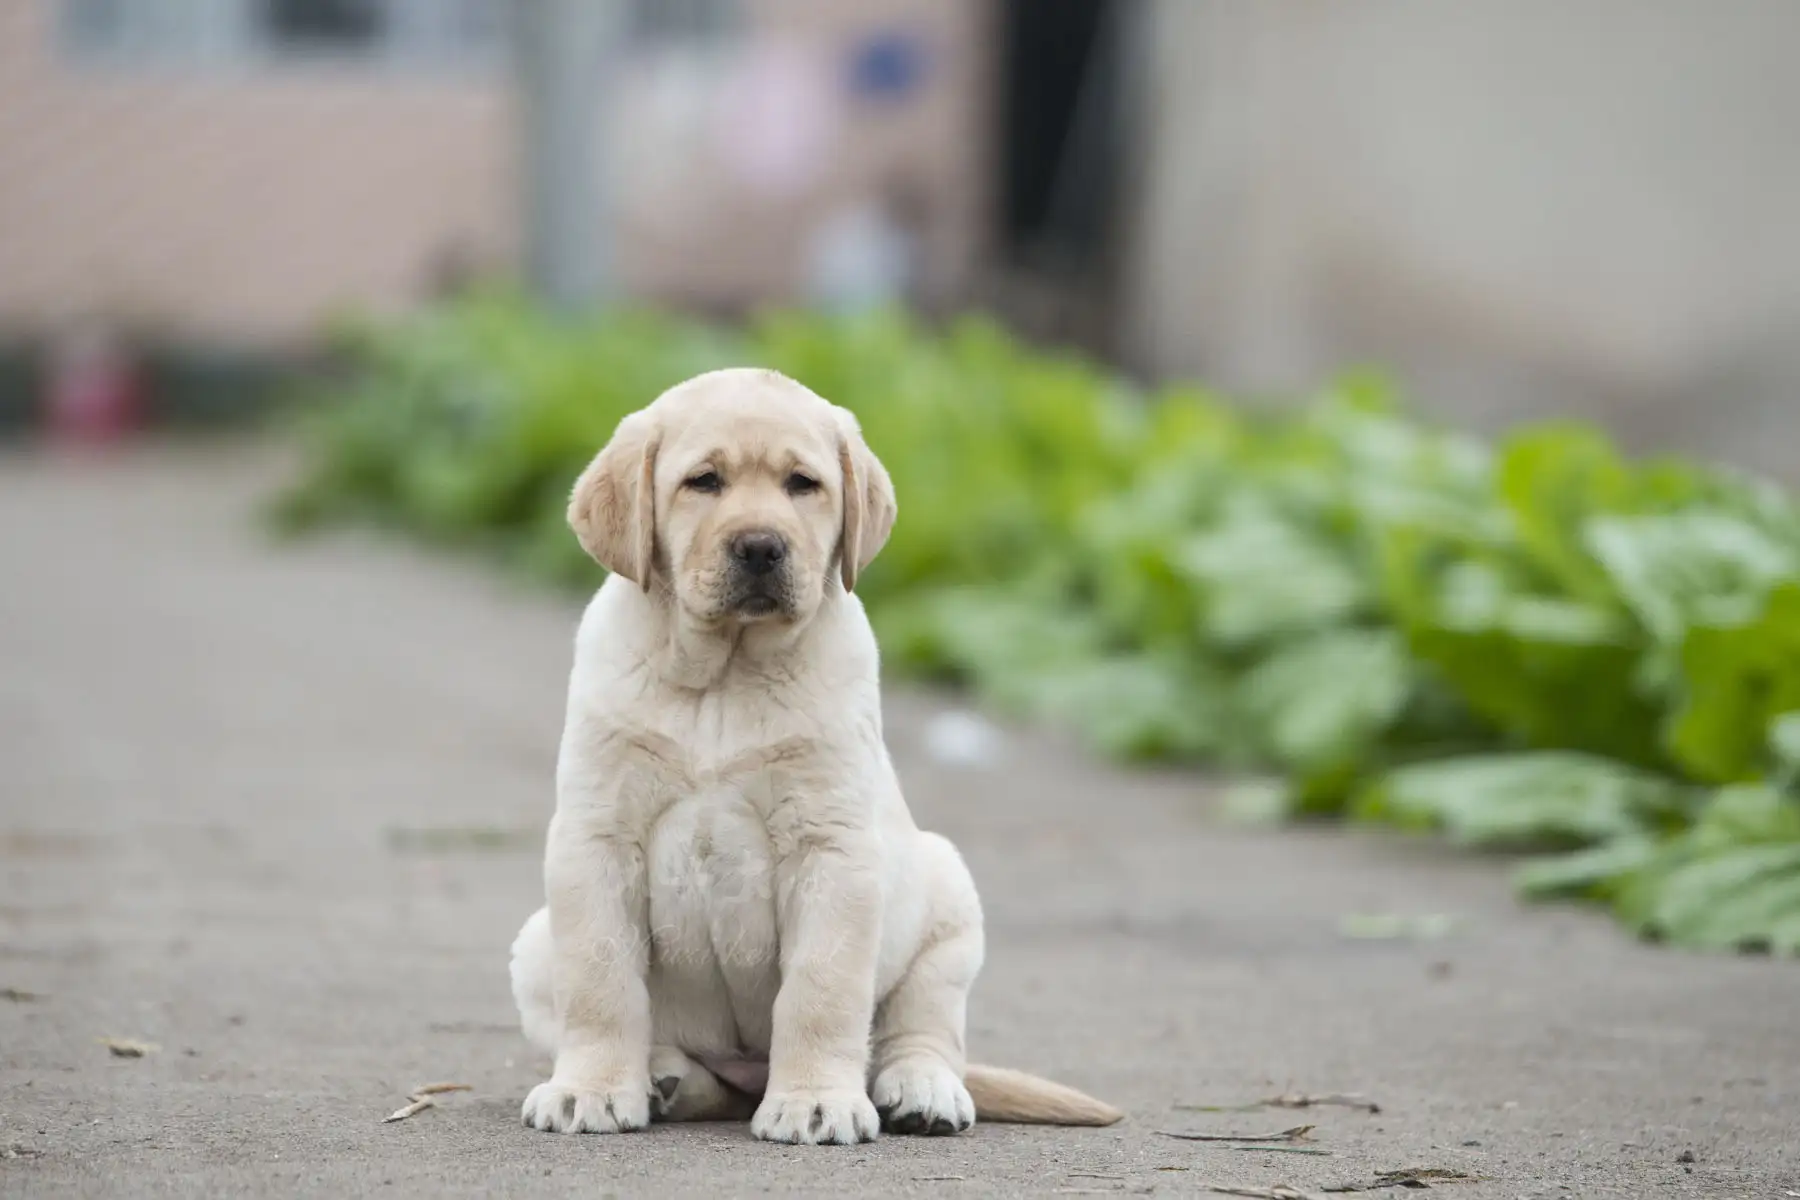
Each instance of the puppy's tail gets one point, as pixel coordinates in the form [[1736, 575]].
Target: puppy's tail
[[1015, 1098]]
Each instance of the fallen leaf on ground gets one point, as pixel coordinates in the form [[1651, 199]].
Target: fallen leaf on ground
[[411, 1110], [46, 845], [1412, 1177], [1426, 927], [1288, 1100], [421, 1098], [1297, 1134], [128, 1048], [1420, 1177], [939, 1178], [1339, 1099], [438, 1089]]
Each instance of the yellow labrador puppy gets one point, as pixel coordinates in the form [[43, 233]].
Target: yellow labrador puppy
[[742, 916]]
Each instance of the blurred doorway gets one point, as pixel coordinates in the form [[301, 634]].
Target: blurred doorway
[[1066, 118]]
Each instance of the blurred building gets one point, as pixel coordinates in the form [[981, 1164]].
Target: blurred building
[[1524, 208], [234, 172], [230, 171]]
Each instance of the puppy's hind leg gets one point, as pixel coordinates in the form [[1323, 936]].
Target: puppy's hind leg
[[533, 984], [683, 1090], [919, 1057]]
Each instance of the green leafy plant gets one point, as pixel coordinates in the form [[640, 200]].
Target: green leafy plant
[[1535, 646]]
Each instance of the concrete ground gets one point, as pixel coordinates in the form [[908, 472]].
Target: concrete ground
[[278, 811]]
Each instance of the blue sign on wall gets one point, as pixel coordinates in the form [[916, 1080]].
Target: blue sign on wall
[[887, 66]]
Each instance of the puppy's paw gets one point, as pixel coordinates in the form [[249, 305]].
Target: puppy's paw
[[922, 1095], [563, 1108], [816, 1118], [669, 1069]]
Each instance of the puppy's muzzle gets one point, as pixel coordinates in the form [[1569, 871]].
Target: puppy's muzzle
[[759, 576], [758, 554]]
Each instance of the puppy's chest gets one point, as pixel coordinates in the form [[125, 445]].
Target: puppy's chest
[[716, 832], [714, 931], [710, 844], [710, 851], [731, 812], [742, 762]]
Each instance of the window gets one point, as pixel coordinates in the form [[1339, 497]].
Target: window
[[208, 32], [428, 33], [328, 26], [682, 20]]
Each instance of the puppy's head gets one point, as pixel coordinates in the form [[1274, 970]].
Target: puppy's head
[[743, 494]]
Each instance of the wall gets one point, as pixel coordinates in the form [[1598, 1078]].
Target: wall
[[243, 205], [1530, 208], [240, 208]]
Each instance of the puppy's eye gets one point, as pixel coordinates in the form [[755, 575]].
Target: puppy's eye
[[707, 481], [801, 485]]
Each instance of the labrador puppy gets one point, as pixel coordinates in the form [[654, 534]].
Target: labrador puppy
[[742, 918]]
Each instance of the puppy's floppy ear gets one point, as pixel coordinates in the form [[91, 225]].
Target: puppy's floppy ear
[[613, 507], [869, 506]]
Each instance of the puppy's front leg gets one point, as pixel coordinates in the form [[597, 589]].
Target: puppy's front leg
[[828, 908], [597, 894]]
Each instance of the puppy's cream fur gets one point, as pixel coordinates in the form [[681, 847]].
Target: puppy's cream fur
[[739, 904]]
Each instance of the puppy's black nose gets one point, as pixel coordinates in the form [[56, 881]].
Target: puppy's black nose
[[758, 553]]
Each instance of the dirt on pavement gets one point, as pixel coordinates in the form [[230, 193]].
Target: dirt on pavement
[[277, 811]]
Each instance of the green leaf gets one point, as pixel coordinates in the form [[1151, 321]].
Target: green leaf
[[1747, 813], [1730, 882], [1262, 575], [1724, 898], [1552, 480], [1784, 744], [1520, 663], [1737, 679], [1140, 707], [1675, 570], [1546, 799], [1594, 872], [1761, 912], [1126, 544], [1320, 703], [1006, 643]]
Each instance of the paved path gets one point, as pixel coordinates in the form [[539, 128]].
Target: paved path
[[277, 810]]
